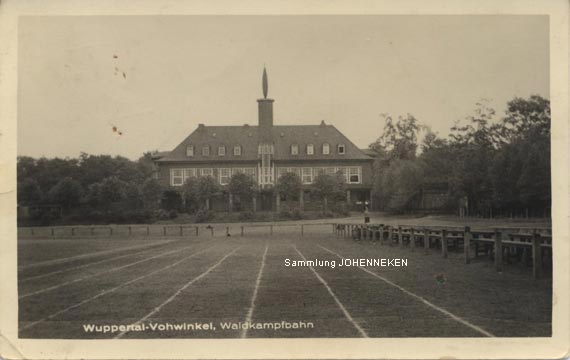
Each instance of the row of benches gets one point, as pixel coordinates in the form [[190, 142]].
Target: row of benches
[[499, 243]]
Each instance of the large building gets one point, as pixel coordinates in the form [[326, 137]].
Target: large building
[[267, 151]]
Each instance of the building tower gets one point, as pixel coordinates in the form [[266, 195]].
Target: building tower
[[265, 147]]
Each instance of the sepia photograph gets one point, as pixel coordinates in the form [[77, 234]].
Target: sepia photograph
[[301, 176]]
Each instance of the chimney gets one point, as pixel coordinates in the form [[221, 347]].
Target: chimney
[[265, 109]]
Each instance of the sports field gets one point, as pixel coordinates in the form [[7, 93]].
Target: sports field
[[209, 287]]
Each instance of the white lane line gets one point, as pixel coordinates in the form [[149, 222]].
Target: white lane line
[[83, 266], [108, 291], [340, 305], [433, 306], [93, 254], [50, 288], [254, 296], [178, 292]]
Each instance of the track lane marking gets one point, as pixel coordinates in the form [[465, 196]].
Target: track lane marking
[[108, 291], [417, 297], [82, 266], [54, 287], [255, 290], [179, 291], [93, 254], [338, 302]]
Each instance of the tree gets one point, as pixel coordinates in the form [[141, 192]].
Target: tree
[[289, 185], [399, 139], [190, 192], [29, 192], [112, 190], [207, 189], [328, 187], [242, 186], [67, 193], [151, 191]]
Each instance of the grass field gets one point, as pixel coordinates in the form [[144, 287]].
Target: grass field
[[66, 284]]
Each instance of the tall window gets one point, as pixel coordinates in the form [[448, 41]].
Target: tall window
[[294, 149], [176, 177], [221, 150], [205, 151], [188, 173], [207, 172], [307, 175], [310, 149], [190, 150], [326, 149], [225, 175], [237, 150], [341, 149], [354, 175]]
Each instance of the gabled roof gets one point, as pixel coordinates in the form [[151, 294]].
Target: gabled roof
[[246, 136]]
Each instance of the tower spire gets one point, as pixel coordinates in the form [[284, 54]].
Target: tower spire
[[264, 83]]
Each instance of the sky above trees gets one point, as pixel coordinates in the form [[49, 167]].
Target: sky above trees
[[126, 85]]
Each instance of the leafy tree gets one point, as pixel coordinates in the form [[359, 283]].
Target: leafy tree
[[328, 187], [399, 139], [151, 192], [112, 190], [190, 192], [29, 192], [289, 185], [207, 189], [242, 186], [171, 200], [67, 193]]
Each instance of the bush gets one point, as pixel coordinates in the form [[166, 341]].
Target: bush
[[285, 213], [296, 214], [161, 214], [246, 215], [204, 215], [341, 208]]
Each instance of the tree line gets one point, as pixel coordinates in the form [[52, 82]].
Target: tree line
[[487, 166]]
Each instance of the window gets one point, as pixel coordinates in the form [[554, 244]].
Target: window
[[225, 175], [250, 172], [354, 175], [341, 149], [189, 150], [281, 171], [222, 150], [318, 171], [176, 177], [294, 149], [237, 150], [205, 151], [307, 175], [326, 149], [310, 149], [207, 172], [188, 173], [330, 171]]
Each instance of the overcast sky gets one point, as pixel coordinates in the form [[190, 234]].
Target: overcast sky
[[180, 71]]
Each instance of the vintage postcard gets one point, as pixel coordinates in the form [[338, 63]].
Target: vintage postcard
[[186, 179]]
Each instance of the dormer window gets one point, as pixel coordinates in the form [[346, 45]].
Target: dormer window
[[294, 149], [190, 150], [205, 151], [237, 150], [310, 149], [341, 149], [222, 151], [326, 149]]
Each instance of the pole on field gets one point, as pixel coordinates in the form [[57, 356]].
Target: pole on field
[[498, 251], [467, 243], [181, 231], [32, 231], [412, 239], [302, 229], [333, 227], [400, 237], [92, 231], [536, 256], [212, 230], [242, 230], [148, 230], [444, 243], [130, 230], [110, 231], [426, 239], [227, 231], [52, 232], [72, 231], [197, 230], [164, 230], [271, 229]]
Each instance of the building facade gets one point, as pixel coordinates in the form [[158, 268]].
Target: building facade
[[266, 152]]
